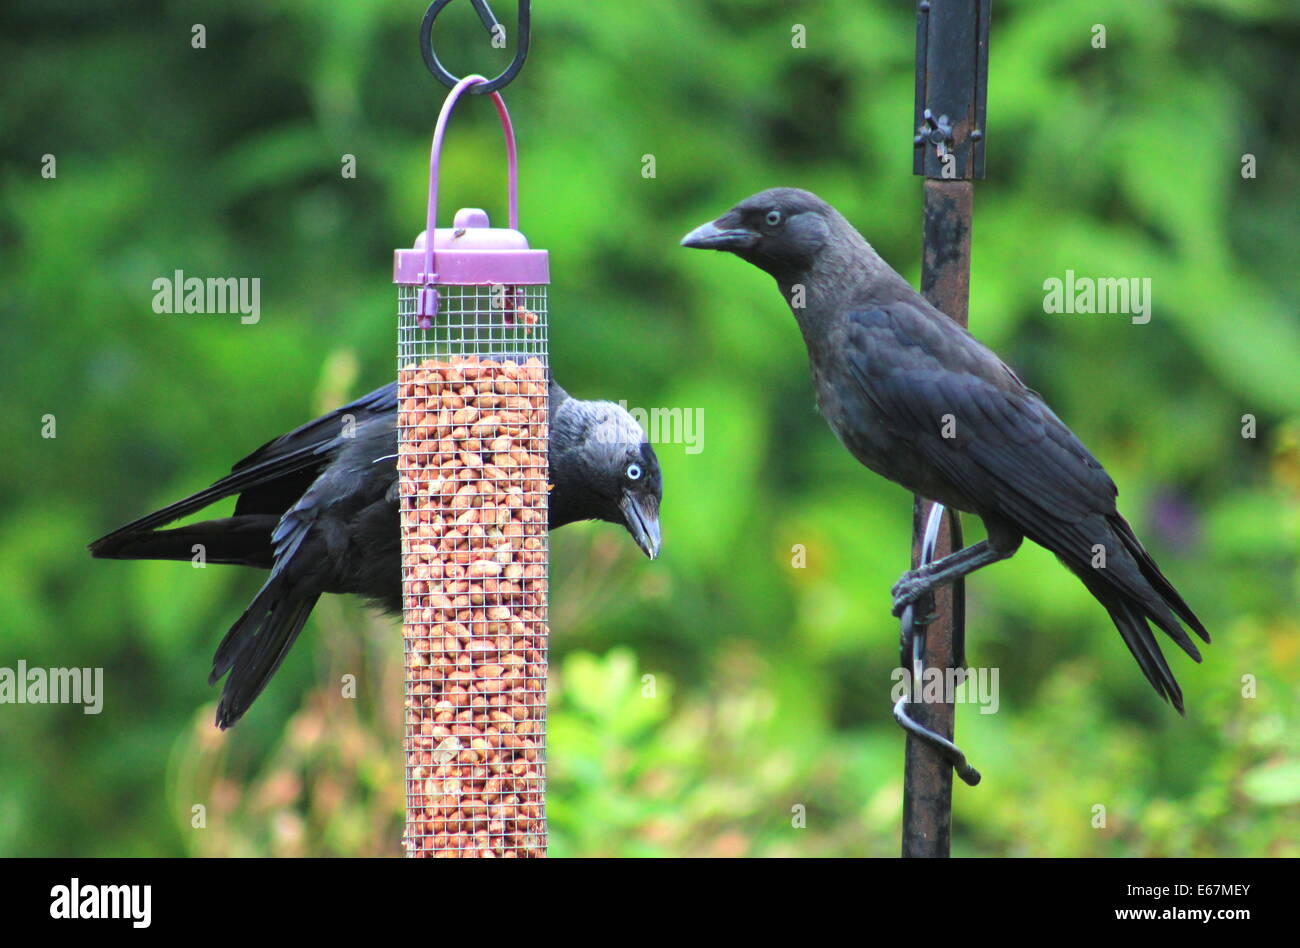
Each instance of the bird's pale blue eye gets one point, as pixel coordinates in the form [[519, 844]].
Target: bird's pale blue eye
[[773, 218], [634, 472]]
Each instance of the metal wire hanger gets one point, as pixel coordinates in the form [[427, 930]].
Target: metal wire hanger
[[916, 620]]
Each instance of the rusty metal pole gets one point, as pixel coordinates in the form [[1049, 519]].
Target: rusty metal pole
[[951, 78]]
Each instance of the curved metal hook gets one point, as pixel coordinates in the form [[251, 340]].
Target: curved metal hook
[[916, 619], [951, 751], [491, 23]]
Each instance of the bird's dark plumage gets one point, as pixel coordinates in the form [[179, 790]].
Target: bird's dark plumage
[[318, 507], [916, 398]]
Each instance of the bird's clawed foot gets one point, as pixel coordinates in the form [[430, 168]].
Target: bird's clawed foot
[[912, 586]]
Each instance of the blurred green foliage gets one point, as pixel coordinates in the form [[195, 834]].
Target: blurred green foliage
[[768, 687]]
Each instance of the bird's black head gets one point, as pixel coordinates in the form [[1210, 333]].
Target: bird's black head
[[779, 230], [604, 469]]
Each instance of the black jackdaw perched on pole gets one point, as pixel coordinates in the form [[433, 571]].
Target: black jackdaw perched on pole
[[319, 508], [917, 399]]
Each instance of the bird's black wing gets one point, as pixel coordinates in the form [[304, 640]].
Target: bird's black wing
[[303, 451], [1012, 453], [313, 547], [260, 638], [918, 373], [270, 479]]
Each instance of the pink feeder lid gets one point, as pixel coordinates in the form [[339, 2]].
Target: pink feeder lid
[[472, 252]]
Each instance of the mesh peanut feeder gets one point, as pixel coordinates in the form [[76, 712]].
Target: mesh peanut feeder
[[472, 459]]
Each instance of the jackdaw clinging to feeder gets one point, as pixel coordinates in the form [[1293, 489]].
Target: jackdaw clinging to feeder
[[319, 508], [916, 398]]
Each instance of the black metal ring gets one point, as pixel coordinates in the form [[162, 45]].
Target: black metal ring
[[447, 79]]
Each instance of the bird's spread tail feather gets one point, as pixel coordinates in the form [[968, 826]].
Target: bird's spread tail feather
[[1133, 628], [241, 541], [1168, 594], [1135, 592]]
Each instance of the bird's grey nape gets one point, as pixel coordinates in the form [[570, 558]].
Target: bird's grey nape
[[597, 423]]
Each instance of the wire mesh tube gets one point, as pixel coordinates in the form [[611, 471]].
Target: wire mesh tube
[[472, 458]]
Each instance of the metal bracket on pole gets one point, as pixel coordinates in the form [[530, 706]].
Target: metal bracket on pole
[[952, 63]]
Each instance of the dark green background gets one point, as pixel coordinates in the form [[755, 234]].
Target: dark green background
[[770, 682]]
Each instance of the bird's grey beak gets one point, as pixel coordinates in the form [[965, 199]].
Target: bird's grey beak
[[642, 522], [716, 235]]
